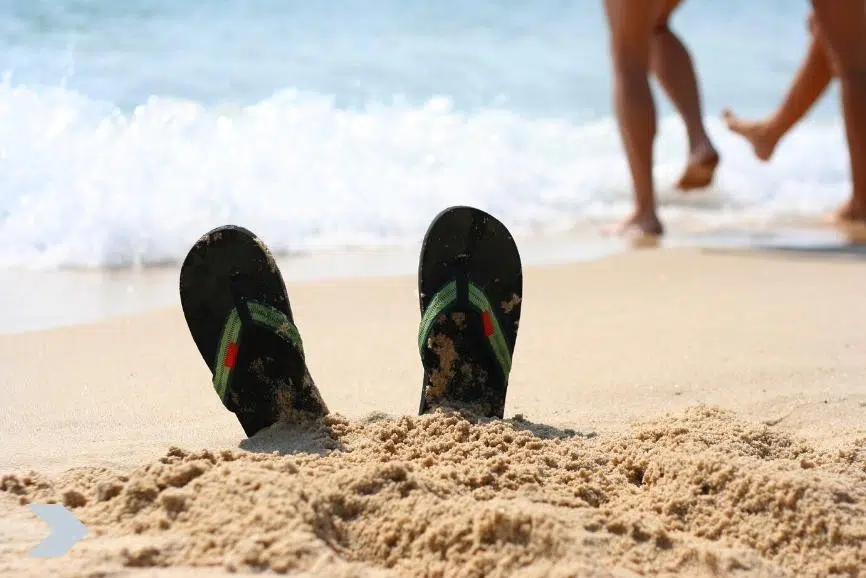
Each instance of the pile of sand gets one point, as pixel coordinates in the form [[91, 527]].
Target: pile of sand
[[696, 493]]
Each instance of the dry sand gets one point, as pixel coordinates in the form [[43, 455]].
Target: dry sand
[[670, 412]]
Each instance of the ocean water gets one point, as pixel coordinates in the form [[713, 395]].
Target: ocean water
[[127, 129]]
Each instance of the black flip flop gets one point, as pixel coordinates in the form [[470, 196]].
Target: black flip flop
[[238, 312], [470, 285]]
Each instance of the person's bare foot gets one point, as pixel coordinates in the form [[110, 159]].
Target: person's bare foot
[[700, 169], [851, 221], [849, 213], [758, 134], [637, 225]]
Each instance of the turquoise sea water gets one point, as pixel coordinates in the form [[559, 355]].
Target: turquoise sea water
[[129, 128]]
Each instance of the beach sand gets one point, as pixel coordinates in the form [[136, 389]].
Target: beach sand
[[671, 412]]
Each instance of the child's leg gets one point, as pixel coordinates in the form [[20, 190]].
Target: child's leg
[[809, 84]]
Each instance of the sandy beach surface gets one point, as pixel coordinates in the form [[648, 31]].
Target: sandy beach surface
[[671, 412]]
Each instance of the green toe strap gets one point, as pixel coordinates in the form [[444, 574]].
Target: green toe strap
[[443, 302], [262, 315]]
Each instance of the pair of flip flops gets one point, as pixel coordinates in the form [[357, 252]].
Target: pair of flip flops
[[470, 285]]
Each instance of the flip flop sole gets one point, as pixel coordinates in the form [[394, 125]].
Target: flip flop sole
[[270, 378], [461, 368]]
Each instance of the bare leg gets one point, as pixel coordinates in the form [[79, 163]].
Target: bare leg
[[675, 71], [810, 82], [843, 24], [631, 25]]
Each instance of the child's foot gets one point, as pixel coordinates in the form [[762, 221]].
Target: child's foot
[[763, 141], [851, 222], [849, 213]]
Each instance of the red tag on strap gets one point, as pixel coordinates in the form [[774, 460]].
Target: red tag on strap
[[231, 355], [488, 323]]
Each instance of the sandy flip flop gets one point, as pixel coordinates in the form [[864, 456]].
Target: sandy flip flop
[[238, 312], [470, 284]]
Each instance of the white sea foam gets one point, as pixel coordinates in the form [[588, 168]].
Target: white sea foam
[[83, 184]]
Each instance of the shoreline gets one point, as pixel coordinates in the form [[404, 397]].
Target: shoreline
[[39, 300], [103, 294]]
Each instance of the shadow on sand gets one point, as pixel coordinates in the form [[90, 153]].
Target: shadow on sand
[[518, 422], [310, 437], [320, 438], [545, 431], [853, 252], [843, 243]]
